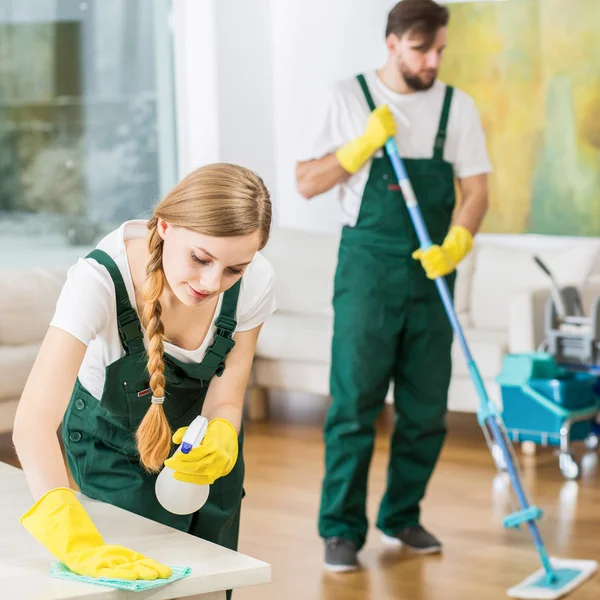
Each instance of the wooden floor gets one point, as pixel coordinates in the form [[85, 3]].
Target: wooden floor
[[464, 506]]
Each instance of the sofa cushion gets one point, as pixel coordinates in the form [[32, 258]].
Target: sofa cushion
[[296, 337], [303, 377], [501, 271], [308, 338], [462, 287], [487, 349], [16, 363], [27, 303], [304, 264]]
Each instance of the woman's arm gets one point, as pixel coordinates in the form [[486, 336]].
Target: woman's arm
[[57, 519], [217, 454], [225, 397], [41, 410]]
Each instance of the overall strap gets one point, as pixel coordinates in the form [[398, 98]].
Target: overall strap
[[366, 92], [440, 138], [223, 342], [130, 330]]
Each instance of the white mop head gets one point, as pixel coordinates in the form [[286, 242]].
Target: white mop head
[[571, 573]]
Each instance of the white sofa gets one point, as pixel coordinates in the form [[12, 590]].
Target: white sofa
[[500, 298], [27, 300]]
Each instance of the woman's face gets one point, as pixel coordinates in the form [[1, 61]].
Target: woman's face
[[198, 267]]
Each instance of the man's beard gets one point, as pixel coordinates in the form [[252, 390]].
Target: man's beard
[[414, 82]]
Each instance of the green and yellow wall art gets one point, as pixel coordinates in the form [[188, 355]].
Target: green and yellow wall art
[[533, 69]]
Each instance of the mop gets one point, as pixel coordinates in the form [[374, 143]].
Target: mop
[[556, 577]]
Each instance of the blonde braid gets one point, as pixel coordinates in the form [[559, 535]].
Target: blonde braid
[[153, 435], [220, 200]]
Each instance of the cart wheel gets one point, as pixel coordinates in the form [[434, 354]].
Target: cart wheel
[[568, 466], [498, 457], [591, 442]]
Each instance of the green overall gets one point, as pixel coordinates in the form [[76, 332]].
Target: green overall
[[99, 434], [389, 325]]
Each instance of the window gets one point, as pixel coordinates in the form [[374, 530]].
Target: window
[[86, 120]]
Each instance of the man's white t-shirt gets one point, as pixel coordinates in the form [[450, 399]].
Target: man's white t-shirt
[[417, 115], [86, 307]]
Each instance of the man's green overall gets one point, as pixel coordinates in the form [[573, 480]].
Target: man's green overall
[[390, 325]]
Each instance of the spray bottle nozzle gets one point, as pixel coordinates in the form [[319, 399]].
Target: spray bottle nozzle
[[194, 434]]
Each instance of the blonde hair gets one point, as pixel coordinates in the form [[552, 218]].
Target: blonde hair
[[220, 200]]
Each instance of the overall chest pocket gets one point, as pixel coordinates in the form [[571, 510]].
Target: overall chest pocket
[[183, 397]]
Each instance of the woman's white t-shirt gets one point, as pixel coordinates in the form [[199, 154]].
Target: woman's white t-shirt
[[86, 307]]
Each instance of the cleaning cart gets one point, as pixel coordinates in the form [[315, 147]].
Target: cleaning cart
[[545, 403], [572, 337]]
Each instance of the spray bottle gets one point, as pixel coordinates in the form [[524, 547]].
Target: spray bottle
[[180, 497]]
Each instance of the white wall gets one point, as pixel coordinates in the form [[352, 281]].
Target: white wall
[[314, 44], [245, 85], [193, 23], [250, 75], [224, 84]]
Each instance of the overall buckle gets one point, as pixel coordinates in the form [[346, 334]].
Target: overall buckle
[[225, 325], [129, 326]]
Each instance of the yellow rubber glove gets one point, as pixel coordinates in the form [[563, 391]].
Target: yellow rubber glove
[[380, 127], [213, 458], [60, 523], [441, 260]]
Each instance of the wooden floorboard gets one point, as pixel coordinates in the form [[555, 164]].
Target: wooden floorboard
[[465, 504]]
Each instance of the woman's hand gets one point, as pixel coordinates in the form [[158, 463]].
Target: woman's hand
[[60, 523], [215, 457]]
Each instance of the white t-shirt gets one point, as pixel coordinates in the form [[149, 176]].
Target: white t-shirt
[[86, 307], [344, 117]]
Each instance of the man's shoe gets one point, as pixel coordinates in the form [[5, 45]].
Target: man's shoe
[[340, 555], [415, 539]]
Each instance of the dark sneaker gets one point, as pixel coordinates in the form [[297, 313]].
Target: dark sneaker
[[340, 555], [415, 539]]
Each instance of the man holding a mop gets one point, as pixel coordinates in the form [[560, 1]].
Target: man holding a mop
[[390, 324]]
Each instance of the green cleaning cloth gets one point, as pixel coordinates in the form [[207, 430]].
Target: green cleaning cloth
[[58, 569]]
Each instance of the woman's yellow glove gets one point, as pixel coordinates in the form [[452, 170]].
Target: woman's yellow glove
[[380, 127], [441, 260], [213, 458], [60, 523]]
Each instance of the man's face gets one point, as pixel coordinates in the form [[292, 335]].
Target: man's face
[[416, 59]]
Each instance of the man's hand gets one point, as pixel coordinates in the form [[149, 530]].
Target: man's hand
[[380, 127], [441, 260]]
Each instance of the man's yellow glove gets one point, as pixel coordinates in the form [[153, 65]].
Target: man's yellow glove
[[380, 127], [441, 260], [213, 458], [60, 523]]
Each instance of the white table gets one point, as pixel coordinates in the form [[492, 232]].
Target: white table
[[24, 563]]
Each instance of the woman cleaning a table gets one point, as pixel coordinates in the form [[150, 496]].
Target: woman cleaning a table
[[154, 327]]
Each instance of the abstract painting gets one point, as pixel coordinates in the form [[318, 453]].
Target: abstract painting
[[533, 69]]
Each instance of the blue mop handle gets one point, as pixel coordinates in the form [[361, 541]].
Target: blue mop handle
[[425, 241], [487, 412]]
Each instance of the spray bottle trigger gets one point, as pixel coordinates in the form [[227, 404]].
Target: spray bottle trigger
[[194, 434]]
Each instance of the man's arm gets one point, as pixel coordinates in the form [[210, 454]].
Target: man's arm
[[441, 260], [474, 204], [314, 177]]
